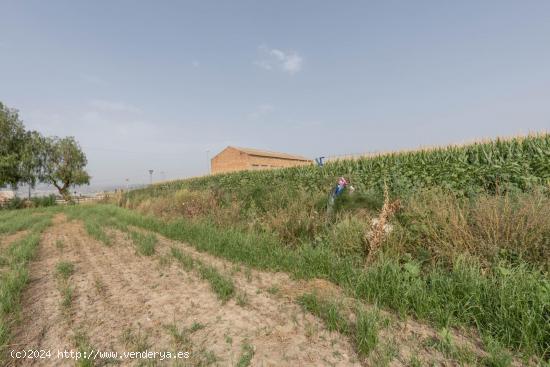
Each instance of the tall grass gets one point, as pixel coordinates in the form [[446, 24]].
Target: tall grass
[[363, 331], [18, 221], [512, 227], [145, 242], [95, 230], [510, 303], [15, 276], [222, 285]]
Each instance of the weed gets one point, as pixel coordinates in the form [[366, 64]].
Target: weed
[[94, 230], [186, 261], [64, 269], [444, 344], [145, 242], [235, 269], [100, 286], [196, 326], [496, 355], [273, 290], [59, 244], [82, 343], [180, 337], [228, 339], [242, 299], [67, 293], [384, 354], [414, 361], [366, 330], [15, 276], [164, 260], [136, 341], [328, 311], [221, 285], [247, 353], [248, 274]]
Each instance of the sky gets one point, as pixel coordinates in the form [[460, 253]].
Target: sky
[[165, 85]]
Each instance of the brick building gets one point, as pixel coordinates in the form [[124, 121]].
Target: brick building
[[233, 159]]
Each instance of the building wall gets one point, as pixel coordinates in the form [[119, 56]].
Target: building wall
[[229, 160], [257, 162]]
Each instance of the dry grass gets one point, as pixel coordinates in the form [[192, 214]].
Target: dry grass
[[491, 227], [186, 203], [380, 227]]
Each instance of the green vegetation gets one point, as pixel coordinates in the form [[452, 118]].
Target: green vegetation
[[444, 343], [363, 332], [187, 262], [521, 163], [67, 293], [14, 274], [242, 299], [145, 242], [367, 326], [136, 342], [246, 355], [507, 302], [329, 312], [466, 242], [82, 343], [64, 269], [28, 157], [95, 229], [221, 285], [28, 219], [34, 202]]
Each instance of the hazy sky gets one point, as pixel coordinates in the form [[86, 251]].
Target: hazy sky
[[155, 84]]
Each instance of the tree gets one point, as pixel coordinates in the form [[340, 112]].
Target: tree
[[13, 139], [31, 159], [62, 164]]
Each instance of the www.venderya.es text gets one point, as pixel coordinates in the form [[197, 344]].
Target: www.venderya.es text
[[93, 354]]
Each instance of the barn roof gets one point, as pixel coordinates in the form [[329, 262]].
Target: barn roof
[[266, 153]]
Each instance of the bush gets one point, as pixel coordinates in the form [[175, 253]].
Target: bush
[[44, 201], [511, 227], [35, 202], [347, 235]]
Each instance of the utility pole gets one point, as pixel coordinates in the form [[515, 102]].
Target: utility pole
[[151, 176], [127, 186]]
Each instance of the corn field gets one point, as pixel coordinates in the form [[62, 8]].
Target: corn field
[[519, 163]]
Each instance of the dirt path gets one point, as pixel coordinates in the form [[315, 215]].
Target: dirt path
[[122, 301]]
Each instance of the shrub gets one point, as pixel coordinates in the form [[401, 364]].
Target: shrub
[[346, 236], [511, 226]]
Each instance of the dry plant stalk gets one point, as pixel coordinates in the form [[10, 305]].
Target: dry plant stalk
[[379, 227]]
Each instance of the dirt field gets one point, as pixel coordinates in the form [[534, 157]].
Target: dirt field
[[122, 301]]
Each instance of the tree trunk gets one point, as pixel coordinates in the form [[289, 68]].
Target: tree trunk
[[64, 192]]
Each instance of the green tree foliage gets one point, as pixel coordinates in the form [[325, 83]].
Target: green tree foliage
[[63, 164], [13, 140], [28, 157]]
